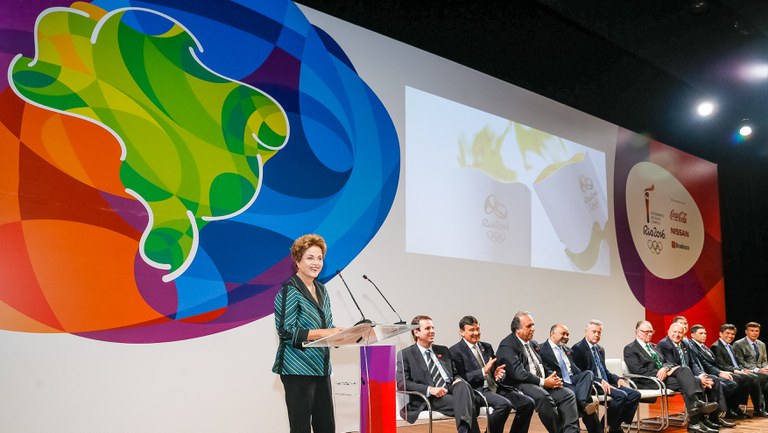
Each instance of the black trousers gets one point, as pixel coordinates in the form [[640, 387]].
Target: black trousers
[[748, 387], [581, 385], [683, 380], [622, 406], [523, 405], [462, 404], [556, 407], [501, 407], [310, 403]]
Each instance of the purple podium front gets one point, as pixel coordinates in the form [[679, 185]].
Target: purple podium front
[[377, 371]]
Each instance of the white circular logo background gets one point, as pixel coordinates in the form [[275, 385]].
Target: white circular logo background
[[664, 221]]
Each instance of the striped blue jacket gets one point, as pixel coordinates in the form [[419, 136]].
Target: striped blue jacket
[[296, 312]]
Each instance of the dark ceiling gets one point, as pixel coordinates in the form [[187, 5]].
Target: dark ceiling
[[641, 64]]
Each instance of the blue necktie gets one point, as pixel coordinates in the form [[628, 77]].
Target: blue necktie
[[601, 373], [733, 358], [563, 367]]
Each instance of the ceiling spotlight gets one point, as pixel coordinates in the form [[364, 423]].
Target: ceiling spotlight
[[705, 109], [755, 72], [745, 131], [699, 7]]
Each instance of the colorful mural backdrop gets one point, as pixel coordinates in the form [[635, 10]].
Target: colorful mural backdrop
[[668, 229], [157, 158]]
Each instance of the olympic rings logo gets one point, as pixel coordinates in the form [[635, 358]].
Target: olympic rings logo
[[493, 206], [586, 183], [496, 237], [655, 246]]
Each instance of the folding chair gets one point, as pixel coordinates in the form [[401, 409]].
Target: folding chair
[[657, 392]]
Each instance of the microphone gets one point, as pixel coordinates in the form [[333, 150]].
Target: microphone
[[401, 322], [363, 320]]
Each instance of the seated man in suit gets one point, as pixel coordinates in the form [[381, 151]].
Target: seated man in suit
[[750, 352], [427, 368], [475, 362], [644, 358], [556, 356], [744, 383], [676, 351], [727, 360], [589, 355], [555, 404]]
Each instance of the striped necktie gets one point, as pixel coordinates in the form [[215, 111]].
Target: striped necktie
[[654, 355], [681, 354], [489, 382], [534, 360], [437, 378], [601, 373]]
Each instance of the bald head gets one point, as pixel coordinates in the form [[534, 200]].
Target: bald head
[[559, 334], [676, 332]]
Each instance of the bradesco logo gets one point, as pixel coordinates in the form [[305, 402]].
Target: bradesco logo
[[680, 246]]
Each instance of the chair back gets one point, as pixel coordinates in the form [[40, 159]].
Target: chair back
[[616, 366]]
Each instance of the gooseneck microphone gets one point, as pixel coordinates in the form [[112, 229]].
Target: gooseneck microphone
[[363, 320], [401, 322]]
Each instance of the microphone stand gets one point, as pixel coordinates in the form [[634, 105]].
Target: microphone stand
[[401, 322], [363, 320]]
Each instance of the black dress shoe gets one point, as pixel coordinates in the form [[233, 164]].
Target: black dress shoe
[[702, 407], [760, 413], [725, 424], [710, 424], [732, 414], [700, 428]]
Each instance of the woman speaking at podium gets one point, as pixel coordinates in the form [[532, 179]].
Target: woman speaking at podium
[[303, 313]]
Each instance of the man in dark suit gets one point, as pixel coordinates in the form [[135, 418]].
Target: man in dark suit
[[589, 355], [555, 404], [677, 352], [644, 358], [745, 384], [475, 362], [426, 368], [727, 360], [556, 356]]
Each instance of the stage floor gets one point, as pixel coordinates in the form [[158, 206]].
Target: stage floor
[[752, 425]]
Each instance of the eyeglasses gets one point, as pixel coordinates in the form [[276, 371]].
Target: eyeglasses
[[647, 331]]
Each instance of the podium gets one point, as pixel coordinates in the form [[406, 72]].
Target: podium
[[377, 371]]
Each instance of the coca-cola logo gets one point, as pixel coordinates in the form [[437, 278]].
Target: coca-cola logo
[[678, 216]]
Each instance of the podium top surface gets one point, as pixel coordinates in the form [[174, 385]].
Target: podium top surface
[[363, 334]]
